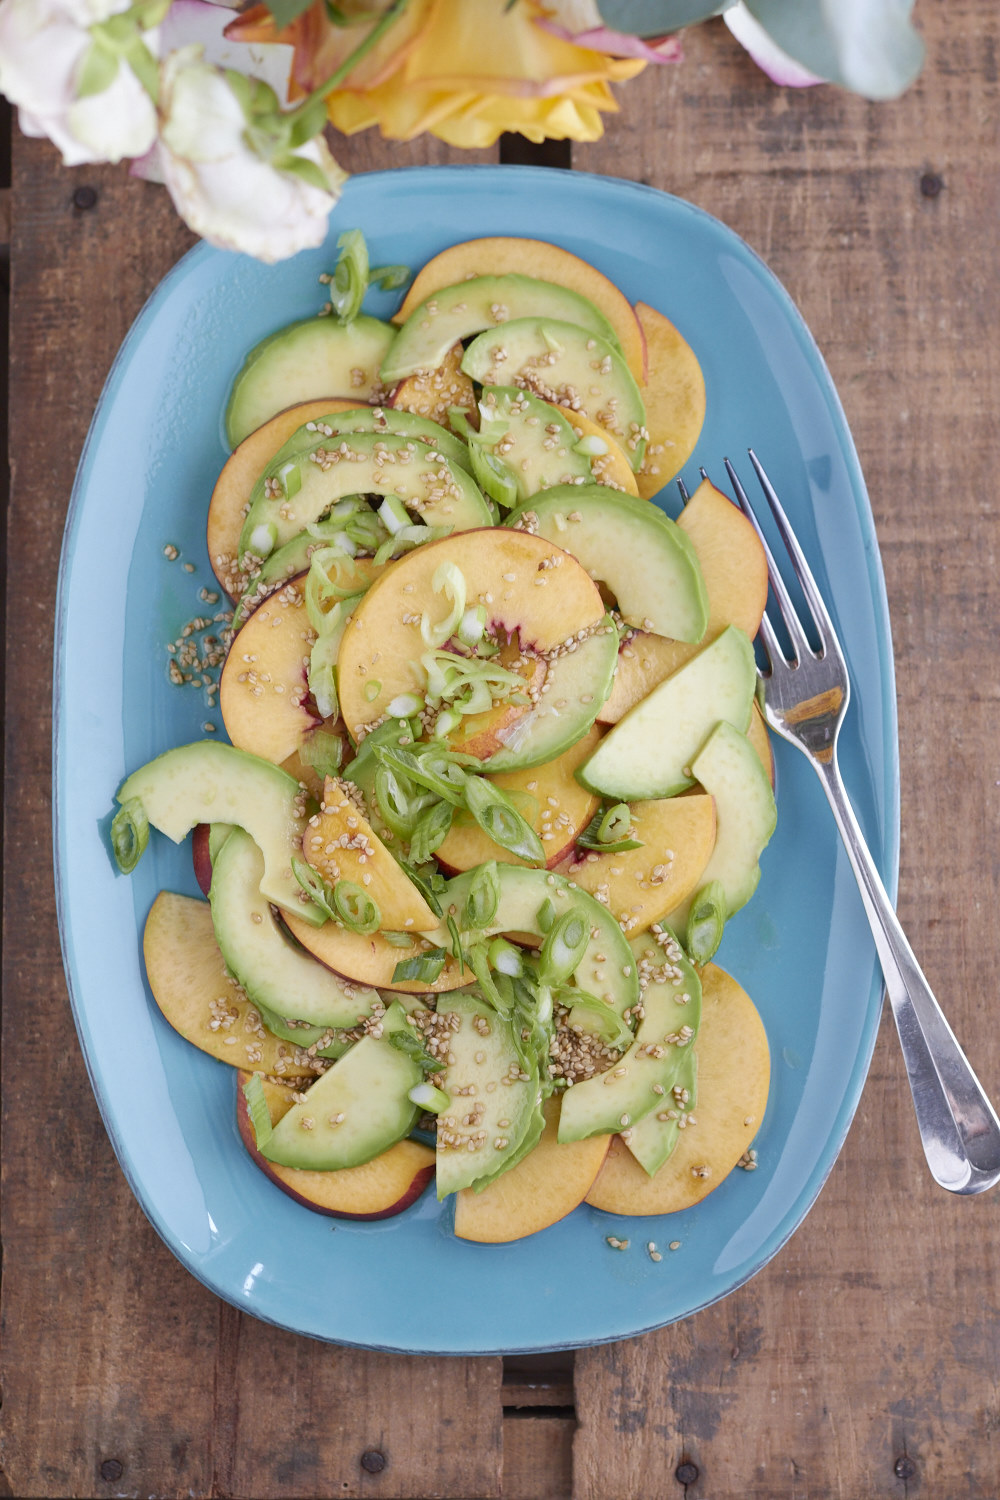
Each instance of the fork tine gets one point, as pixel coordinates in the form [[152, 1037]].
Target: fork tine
[[799, 640], [803, 571]]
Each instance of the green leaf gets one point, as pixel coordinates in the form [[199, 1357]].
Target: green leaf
[[98, 72], [307, 122], [306, 171], [651, 18], [287, 11], [867, 46]]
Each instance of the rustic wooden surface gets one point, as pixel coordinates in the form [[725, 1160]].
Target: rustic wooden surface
[[864, 1360]]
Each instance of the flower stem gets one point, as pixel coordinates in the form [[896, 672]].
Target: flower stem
[[374, 36]]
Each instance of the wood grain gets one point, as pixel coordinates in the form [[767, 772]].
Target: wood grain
[[863, 1361]]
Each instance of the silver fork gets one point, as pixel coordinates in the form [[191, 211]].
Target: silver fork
[[805, 702]]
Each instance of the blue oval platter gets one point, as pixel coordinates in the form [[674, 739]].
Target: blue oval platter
[[801, 948]]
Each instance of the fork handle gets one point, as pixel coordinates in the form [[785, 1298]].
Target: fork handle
[[959, 1129]]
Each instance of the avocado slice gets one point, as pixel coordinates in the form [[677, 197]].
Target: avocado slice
[[643, 1077], [653, 1139], [211, 782], [275, 973], [643, 557], [607, 968], [578, 680], [458, 312], [300, 1034], [538, 445], [293, 493], [316, 357], [481, 1131], [567, 366], [649, 752], [387, 421], [358, 1109], [730, 769]]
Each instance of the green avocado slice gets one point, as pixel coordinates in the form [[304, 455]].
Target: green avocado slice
[[355, 1111], [304, 362], [293, 493], [455, 313], [568, 366], [383, 420], [211, 782], [643, 557]]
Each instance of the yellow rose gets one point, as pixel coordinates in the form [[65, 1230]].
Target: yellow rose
[[464, 70]]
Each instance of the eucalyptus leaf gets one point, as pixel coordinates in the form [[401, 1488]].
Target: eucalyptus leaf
[[867, 46], [652, 18], [287, 11]]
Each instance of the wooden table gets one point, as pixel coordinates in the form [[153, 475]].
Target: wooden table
[[863, 1361]]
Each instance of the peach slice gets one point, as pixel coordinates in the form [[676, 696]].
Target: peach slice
[[371, 960], [510, 572], [639, 886], [548, 796], [240, 473], [434, 393], [540, 1190], [611, 468], [188, 978], [263, 693], [340, 843], [734, 1071], [377, 1190], [734, 568], [674, 394], [545, 262]]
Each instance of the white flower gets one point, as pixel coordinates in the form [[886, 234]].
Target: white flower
[[238, 188], [44, 45]]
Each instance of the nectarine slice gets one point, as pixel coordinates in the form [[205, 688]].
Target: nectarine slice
[[341, 844], [498, 255], [674, 394], [263, 692], [377, 1190], [509, 572], [549, 797], [188, 978], [734, 1071], [611, 467], [541, 1189], [639, 886], [240, 473], [371, 959]]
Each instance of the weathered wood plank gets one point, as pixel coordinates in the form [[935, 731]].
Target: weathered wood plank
[[867, 1352]]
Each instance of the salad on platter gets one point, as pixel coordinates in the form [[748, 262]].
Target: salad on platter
[[496, 777]]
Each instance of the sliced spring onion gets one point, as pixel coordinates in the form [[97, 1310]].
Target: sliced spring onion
[[472, 625], [427, 883], [290, 478], [407, 538], [407, 1041], [546, 915], [450, 581], [423, 970], [433, 769], [431, 831], [404, 706], [705, 922], [563, 948], [397, 939], [393, 514], [493, 476], [457, 947], [488, 988], [350, 278], [260, 1115], [427, 1097], [262, 539], [315, 887], [447, 721], [323, 750], [591, 446], [129, 834], [322, 675], [483, 899], [610, 1024], [372, 689], [505, 958], [329, 580], [389, 278], [609, 832], [355, 908], [499, 819], [399, 803]]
